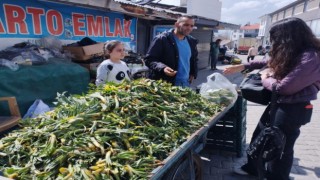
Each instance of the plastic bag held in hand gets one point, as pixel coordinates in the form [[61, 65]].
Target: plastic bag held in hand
[[215, 84]]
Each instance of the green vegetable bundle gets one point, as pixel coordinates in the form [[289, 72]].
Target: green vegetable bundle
[[114, 132]]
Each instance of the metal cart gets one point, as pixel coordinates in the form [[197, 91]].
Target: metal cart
[[185, 163]]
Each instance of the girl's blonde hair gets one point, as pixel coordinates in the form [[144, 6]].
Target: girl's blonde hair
[[109, 46]]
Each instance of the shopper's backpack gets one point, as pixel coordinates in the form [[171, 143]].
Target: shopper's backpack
[[268, 145]]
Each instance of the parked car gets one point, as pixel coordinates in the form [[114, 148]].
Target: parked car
[[264, 50], [267, 49]]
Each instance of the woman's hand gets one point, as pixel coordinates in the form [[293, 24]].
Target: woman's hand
[[233, 69], [266, 73], [264, 76]]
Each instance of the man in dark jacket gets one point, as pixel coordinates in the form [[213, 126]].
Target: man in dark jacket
[[173, 55]]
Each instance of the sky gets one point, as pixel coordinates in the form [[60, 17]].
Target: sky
[[244, 11]]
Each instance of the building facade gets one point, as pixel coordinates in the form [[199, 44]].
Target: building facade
[[247, 31], [210, 9], [250, 30], [235, 36], [307, 10], [263, 35]]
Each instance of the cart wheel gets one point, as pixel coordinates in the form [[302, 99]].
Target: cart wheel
[[182, 169], [197, 163]]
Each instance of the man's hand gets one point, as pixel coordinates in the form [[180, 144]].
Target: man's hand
[[169, 72], [191, 78]]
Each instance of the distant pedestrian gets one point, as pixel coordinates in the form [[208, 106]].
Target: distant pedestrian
[[225, 49], [214, 53], [294, 55], [252, 53]]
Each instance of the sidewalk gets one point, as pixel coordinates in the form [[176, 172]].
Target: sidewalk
[[218, 165]]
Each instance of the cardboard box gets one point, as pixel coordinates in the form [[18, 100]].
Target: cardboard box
[[83, 53]]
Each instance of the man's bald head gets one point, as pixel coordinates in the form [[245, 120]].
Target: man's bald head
[[183, 18]]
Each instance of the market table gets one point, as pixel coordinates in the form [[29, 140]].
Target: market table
[[181, 161], [184, 162], [43, 82]]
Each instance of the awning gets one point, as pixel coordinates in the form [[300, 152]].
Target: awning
[[146, 12]]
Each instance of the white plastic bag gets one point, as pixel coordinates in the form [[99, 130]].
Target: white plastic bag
[[9, 64], [37, 108], [218, 89]]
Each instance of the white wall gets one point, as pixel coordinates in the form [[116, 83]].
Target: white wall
[[205, 8], [235, 35], [183, 3], [265, 24]]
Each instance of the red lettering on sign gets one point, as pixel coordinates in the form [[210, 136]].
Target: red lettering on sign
[[15, 15], [54, 22], [36, 21], [118, 28], [2, 31], [126, 28], [94, 26], [77, 24], [107, 27]]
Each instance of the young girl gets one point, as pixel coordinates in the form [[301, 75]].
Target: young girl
[[113, 69]]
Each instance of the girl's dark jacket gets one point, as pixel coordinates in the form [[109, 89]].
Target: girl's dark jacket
[[163, 52]]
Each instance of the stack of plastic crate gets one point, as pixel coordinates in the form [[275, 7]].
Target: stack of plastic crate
[[229, 133]]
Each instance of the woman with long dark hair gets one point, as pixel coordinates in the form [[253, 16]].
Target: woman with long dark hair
[[294, 63]]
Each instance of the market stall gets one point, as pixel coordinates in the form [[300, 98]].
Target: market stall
[[132, 130], [103, 134]]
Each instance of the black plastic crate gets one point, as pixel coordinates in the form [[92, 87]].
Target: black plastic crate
[[230, 130]]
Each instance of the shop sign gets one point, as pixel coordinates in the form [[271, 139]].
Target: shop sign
[[37, 19], [158, 29]]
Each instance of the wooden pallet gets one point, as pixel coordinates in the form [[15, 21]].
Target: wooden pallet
[[7, 122]]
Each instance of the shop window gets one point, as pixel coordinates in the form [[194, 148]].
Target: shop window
[[317, 30], [315, 27], [288, 12], [274, 18], [308, 23], [299, 9], [313, 4], [280, 15]]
